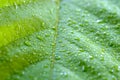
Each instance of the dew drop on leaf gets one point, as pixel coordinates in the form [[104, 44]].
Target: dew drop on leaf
[[15, 5], [51, 11], [23, 72], [35, 78], [72, 32], [57, 57], [27, 43], [47, 35], [24, 1], [17, 77], [71, 22], [113, 77], [10, 60], [34, 53], [46, 66], [69, 53], [43, 24], [77, 39], [111, 71], [54, 28], [99, 74], [16, 56], [102, 58], [62, 45], [91, 57], [98, 21], [60, 41], [75, 68], [81, 50], [65, 74], [78, 10], [119, 67], [81, 24], [83, 68], [39, 37], [53, 44]]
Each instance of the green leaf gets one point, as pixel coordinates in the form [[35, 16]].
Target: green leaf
[[59, 40]]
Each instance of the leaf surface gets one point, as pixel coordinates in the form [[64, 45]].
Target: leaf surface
[[60, 40]]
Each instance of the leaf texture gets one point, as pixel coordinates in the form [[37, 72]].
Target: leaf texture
[[59, 40]]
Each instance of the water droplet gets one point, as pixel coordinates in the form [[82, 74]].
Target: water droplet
[[47, 35], [81, 50], [39, 37], [99, 74], [53, 28], [53, 44], [64, 74], [72, 32], [83, 68], [51, 11], [34, 53], [24, 1], [113, 77], [57, 57], [102, 58], [10, 60], [78, 10], [76, 27], [119, 68], [75, 68], [17, 77], [27, 43], [99, 21], [103, 50], [60, 41], [62, 45], [35, 78], [15, 5], [16, 56], [43, 24], [77, 39], [33, 15], [71, 22], [46, 66], [111, 71], [23, 72], [82, 25], [91, 57]]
